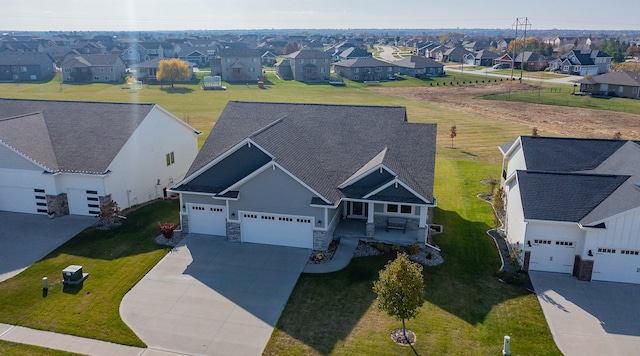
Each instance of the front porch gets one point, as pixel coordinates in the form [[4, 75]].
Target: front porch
[[357, 229]]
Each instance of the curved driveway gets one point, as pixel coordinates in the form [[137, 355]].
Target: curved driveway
[[213, 297]]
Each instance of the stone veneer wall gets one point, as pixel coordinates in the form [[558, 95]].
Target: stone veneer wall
[[370, 230], [233, 231], [184, 223], [525, 263], [582, 269], [58, 204], [322, 240]]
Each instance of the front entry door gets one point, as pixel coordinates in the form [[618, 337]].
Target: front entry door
[[357, 210]]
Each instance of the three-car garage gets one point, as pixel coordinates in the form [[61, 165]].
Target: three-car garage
[[255, 227]]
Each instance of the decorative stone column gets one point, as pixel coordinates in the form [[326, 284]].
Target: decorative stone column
[[233, 231], [58, 204], [370, 230]]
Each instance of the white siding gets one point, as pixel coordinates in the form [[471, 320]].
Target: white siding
[[622, 232], [136, 169], [515, 160], [11, 160], [515, 224]]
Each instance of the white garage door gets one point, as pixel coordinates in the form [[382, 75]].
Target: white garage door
[[616, 265], [83, 202], [23, 200], [274, 229], [207, 219], [552, 255]]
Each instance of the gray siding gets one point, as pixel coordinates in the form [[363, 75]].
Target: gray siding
[[10, 159], [230, 170], [392, 191], [274, 191], [374, 179]]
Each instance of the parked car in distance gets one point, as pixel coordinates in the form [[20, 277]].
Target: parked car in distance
[[502, 66]]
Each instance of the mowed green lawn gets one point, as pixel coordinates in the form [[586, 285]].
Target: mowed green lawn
[[468, 311], [13, 349], [115, 260]]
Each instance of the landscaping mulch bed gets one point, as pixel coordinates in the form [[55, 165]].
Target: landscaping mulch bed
[[426, 255], [173, 241], [398, 337], [318, 257]]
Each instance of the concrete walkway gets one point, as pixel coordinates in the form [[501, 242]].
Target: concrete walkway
[[589, 318], [64, 342], [340, 259]]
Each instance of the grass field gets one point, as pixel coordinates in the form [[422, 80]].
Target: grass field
[[560, 96], [466, 309]]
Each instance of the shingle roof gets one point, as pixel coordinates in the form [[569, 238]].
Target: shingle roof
[[362, 62], [555, 154], [324, 145], [417, 62], [624, 77], [23, 58], [69, 136], [90, 60], [240, 52], [309, 54], [564, 196]]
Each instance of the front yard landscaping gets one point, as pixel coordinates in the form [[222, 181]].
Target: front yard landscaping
[[467, 309], [116, 260]]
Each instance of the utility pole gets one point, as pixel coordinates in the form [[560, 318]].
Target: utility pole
[[519, 23], [526, 24]]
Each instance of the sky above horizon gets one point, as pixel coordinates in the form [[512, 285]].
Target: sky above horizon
[[178, 15]]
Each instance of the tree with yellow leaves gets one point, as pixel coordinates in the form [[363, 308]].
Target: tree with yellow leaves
[[172, 70]]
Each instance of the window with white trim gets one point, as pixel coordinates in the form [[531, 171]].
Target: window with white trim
[[399, 209], [170, 159]]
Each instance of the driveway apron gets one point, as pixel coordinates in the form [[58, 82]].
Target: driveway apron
[[589, 318], [27, 238], [209, 296]]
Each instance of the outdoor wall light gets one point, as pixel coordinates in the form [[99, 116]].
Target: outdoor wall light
[[233, 215], [590, 253], [529, 243], [319, 222]]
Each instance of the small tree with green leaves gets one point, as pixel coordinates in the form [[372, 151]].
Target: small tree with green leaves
[[400, 289]]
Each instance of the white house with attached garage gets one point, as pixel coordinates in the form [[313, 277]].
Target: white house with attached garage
[[573, 206], [69, 157], [288, 174]]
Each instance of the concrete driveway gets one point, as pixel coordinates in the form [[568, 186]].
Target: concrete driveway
[[27, 238], [214, 297], [590, 318]]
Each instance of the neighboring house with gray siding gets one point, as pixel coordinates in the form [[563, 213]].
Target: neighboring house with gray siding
[[419, 67], [93, 68], [625, 84], [289, 174], [22, 67], [240, 65], [307, 65], [364, 69]]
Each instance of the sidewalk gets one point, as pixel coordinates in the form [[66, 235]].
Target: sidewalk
[[340, 259], [69, 343]]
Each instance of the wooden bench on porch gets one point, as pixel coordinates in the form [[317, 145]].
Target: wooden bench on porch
[[397, 224]]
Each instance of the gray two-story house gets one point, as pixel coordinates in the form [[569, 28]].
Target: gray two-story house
[[240, 65], [93, 68], [21, 67], [307, 65]]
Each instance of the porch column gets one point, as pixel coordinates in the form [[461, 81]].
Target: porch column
[[423, 217], [370, 213]]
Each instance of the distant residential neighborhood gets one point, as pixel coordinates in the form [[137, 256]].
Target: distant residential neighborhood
[[242, 57]]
